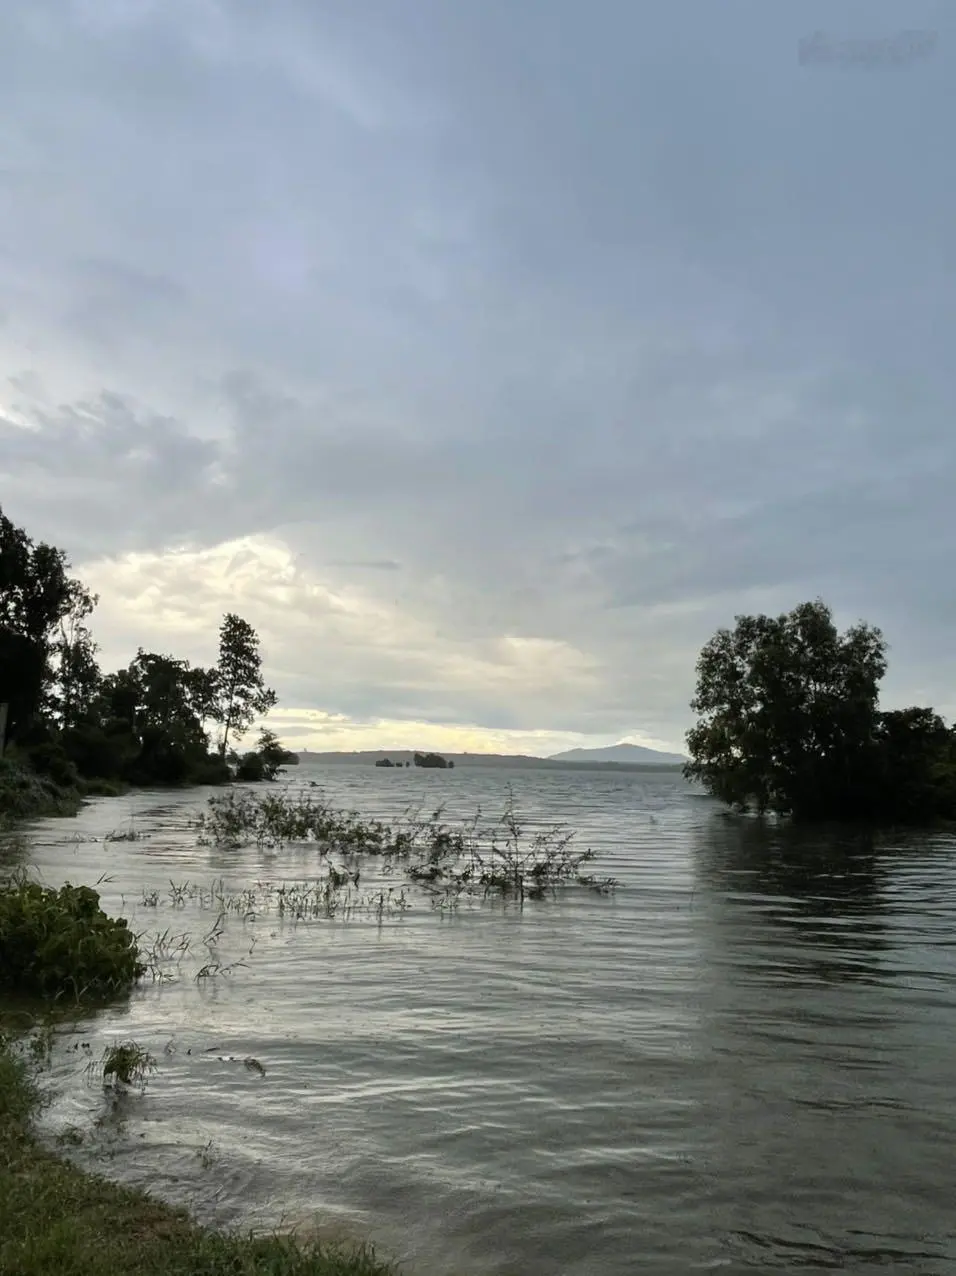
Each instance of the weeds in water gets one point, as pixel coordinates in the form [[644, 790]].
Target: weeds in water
[[500, 858], [214, 968], [123, 835], [243, 817], [126, 1063], [336, 893], [207, 1154]]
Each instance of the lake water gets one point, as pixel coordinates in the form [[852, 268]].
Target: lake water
[[744, 1060]]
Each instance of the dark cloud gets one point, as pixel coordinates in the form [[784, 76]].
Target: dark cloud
[[541, 322]]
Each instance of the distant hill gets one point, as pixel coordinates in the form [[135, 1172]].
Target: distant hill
[[650, 759], [633, 754]]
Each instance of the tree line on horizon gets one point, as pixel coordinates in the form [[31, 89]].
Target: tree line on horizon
[[159, 721]]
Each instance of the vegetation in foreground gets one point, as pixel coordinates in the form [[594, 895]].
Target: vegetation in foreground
[[67, 730], [476, 857], [56, 1220], [55, 942], [789, 722]]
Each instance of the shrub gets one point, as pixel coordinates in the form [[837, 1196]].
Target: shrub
[[24, 795], [61, 941], [51, 760], [251, 768]]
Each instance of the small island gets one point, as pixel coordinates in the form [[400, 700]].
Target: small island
[[432, 760]]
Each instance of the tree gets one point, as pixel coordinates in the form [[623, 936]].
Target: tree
[[916, 769], [242, 696], [35, 590], [273, 755], [202, 689], [788, 714], [74, 674]]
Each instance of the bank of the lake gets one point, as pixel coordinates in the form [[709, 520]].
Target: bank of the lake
[[740, 1060], [59, 1220]]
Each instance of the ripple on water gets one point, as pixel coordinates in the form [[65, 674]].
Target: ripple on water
[[743, 1060]]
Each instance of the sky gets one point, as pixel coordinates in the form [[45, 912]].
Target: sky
[[486, 356]]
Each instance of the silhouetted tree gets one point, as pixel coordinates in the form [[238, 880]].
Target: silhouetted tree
[[36, 593], [242, 695], [789, 722]]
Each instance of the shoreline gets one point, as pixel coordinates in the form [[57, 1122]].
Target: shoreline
[[57, 1219]]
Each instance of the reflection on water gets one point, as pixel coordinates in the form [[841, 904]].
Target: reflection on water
[[830, 1017], [743, 1061]]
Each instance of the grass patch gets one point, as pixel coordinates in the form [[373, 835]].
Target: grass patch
[[57, 1220]]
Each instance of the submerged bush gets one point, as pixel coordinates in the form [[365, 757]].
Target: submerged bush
[[53, 942]]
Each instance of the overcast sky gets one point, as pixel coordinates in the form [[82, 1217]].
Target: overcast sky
[[486, 355]]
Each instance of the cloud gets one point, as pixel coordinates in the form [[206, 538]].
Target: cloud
[[503, 352]]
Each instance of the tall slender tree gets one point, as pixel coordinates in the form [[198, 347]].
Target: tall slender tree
[[242, 695]]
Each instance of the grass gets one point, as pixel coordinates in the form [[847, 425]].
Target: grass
[[57, 1220], [126, 1063]]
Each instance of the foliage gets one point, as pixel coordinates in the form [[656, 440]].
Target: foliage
[[242, 816], [789, 722], [80, 730], [915, 767], [36, 593], [500, 858], [53, 942], [265, 761], [434, 760], [74, 676], [241, 695], [475, 858], [25, 795], [126, 1063]]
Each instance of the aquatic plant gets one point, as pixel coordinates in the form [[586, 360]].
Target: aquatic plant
[[501, 858], [52, 942], [242, 817], [126, 1063], [476, 857]]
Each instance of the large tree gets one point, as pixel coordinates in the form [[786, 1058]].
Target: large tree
[[788, 715], [241, 693], [36, 594]]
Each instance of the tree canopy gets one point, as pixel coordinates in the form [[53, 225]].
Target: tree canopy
[[789, 721], [149, 723]]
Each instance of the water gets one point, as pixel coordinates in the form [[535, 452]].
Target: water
[[734, 1064]]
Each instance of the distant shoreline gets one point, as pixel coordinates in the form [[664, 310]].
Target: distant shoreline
[[517, 762]]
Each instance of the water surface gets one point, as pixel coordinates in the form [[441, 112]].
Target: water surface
[[743, 1061]]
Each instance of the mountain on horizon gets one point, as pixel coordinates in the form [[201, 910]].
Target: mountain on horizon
[[634, 753]]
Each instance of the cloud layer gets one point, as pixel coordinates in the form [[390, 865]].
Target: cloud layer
[[485, 356]]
